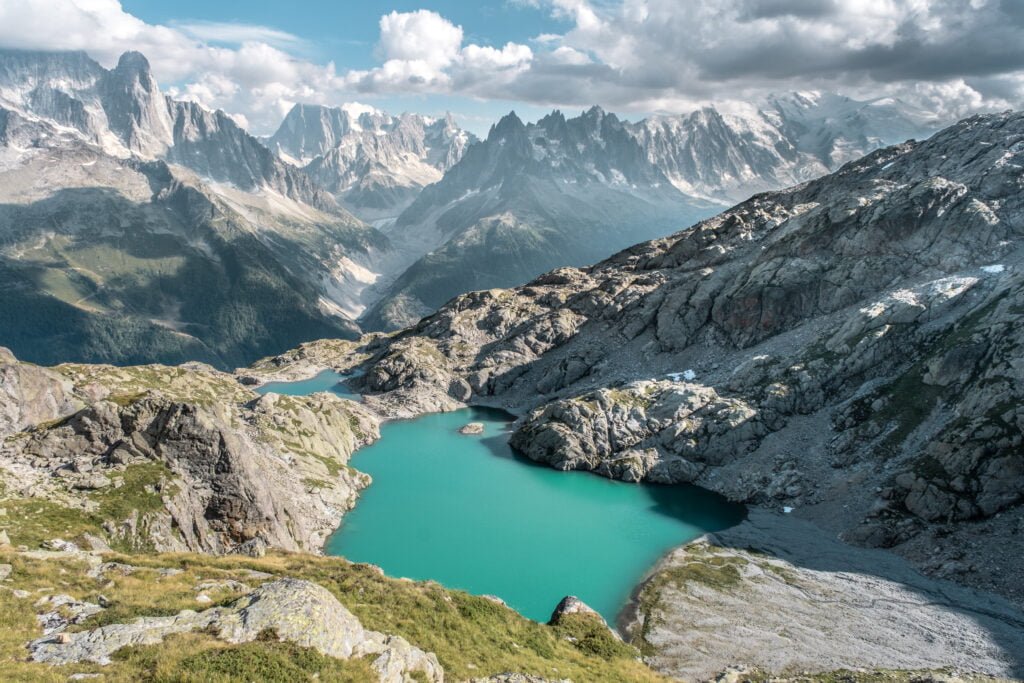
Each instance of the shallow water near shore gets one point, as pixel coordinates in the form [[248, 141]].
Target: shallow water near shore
[[465, 511]]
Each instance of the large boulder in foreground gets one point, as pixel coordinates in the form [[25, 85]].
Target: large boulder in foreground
[[288, 609]]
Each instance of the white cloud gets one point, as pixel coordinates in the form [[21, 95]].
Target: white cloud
[[512, 55], [564, 54], [424, 52], [420, 36], [223, 32]]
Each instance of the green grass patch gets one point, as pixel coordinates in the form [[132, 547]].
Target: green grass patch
[[30, 521], [472, 636], [589, 634]]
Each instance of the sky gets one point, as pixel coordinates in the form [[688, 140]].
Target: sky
[[255, 58]]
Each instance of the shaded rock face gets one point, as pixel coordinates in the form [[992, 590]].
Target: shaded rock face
[[238, 472], [212, 144], [859, 327], [136, 109], [296, 611]]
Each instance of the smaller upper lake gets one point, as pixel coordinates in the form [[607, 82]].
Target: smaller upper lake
[[328, 380], [466, 511]]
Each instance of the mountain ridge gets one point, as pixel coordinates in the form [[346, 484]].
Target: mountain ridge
[[139, 228], [558, 191], [371, 161]]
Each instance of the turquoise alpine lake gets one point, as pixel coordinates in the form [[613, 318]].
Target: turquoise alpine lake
[[466, 511], [328, 380]]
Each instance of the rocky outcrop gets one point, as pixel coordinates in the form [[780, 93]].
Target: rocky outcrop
[[291, 610], [205, 464], [656, 431], [568, 605], [30, 395], [778, 595]]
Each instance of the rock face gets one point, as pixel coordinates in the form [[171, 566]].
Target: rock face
[[843, 348], [30, 394], [374, 163], [732, 598], [570, 604], [293, 610], [214, 467]]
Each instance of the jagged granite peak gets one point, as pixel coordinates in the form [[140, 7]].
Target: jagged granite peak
[[526, 199], [726, 155], [373, 162], [215, 146], [123, 111], [137, 112], [590, 148], [310, 130], [509, 124], [24, 70]]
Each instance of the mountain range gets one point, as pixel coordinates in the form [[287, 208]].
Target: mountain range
[[346, 218], [372, 162], [136, 228], [728, 155], [842, 357]]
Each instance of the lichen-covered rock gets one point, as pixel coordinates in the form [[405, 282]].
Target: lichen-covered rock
[[293, 610], [225, 467], [30, 394], [731, 598]]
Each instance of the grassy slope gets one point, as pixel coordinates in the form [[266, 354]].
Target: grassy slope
[[471, 636]]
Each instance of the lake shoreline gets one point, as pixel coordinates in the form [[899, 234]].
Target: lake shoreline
[[571, 524]]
